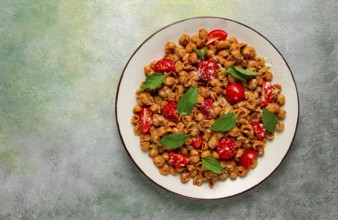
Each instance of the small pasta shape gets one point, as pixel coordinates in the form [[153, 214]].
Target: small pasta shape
[[211, 103]]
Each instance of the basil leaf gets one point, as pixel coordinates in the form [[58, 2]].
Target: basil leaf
[[240, 73], [212, 164], [174, 140], [187, 101], [153, 81], [246, 72], [224, 123], [236, 74], [269, 120], [201, 53]]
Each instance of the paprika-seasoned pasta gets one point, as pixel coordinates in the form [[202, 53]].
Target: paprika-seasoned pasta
[[202, 61]]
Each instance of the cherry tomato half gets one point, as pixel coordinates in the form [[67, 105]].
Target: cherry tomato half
[[206, 107], [248, 157], [259, 129], [207, 70], [226, 148], [216, 35], [170, 112], [234, 93], [178, 160], [197, 142], [145, 120], [164, 65], [267, 93]]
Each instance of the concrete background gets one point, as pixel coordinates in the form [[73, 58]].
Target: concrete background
[[60, 153]]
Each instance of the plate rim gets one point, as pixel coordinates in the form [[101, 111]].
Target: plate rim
[[117, 97]]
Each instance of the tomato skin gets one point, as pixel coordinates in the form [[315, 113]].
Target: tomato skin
[[145, 120], [170, 112], [164, 65], [234, 93], [266, 93], [178, 160], [226, 148], [207, 70], [206, 107], [197, 142], [216, 35], [259, 129], [248, 157]]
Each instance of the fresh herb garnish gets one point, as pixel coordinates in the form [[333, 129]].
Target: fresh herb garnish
[[269, 120], [212, 164], [246, 72], [201, 53], [172, 141], [187, 101], [236, 74], [240, 73], [224, 123], [153, 81]]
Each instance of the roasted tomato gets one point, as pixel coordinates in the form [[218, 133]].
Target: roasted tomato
[[197, 142], [178, 160], [248, 157], [259, 129], [216, 35], [145, 120], [170, 112], [164, 65], [207, 70], [226, 148], [234, 93], [266, 93], [206, 107]]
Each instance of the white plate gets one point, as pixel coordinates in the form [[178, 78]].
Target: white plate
[[152, 49]]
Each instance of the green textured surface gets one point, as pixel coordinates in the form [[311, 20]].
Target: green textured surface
[[60, 153]]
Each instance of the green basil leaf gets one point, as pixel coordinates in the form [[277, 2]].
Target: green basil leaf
[[246, 72], [153, 81], [174, 140], [187, 101], [269, 120], [201, 53], [236, 74], [212, 164], [224, 123]]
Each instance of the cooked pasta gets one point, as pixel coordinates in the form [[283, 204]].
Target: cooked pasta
[[156, 113]]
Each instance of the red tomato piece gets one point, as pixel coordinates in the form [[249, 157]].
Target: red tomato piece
[[234, 93], [207, 70], [216, 35], [178, 160], [259, 129], [170, 112], [197, 142], [145, 120], [206, 107], [226, 148], [248, 157], [164, 65], [266, 93]]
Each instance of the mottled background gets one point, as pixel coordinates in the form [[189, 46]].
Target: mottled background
[[60, 153]]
